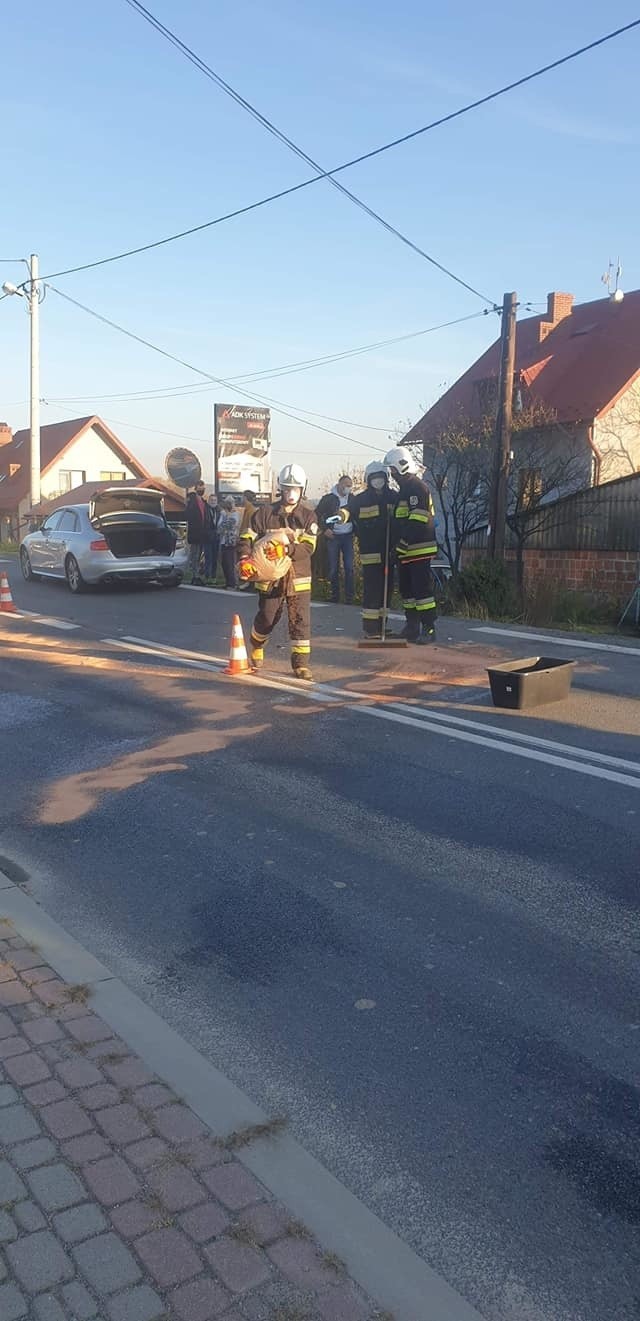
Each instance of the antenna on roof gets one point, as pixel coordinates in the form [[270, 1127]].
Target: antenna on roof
[[611, 278]]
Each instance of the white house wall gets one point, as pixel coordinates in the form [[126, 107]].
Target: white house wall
[[89, 454], [617, 436]]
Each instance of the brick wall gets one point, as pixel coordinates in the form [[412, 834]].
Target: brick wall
[[601, 573]]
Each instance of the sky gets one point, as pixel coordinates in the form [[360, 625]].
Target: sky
[[112, 140]]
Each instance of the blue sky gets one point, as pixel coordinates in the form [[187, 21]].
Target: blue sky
[[115, 140]]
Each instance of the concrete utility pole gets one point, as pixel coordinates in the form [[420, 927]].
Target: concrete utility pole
[[34, 390], [503, 426], [33, 303]]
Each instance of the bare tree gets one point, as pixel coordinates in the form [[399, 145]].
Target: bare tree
[[457, 469], [548, 462]]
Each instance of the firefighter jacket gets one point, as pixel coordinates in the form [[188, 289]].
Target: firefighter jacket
[[301, 521], [369, 511], [414, 526]]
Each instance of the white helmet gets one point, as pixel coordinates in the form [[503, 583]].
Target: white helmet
[[377, 468], [402, 460], [292, 475]]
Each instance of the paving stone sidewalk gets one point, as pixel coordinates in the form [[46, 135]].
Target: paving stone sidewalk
[[116, 1202]]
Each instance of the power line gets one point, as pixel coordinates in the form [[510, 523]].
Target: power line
[[288, 369], [282, 137], [278, 407], [325, 174], [195, 440]]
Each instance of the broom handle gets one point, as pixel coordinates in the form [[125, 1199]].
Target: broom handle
[[385, 594]]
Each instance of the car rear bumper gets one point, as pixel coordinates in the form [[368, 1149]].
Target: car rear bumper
[[148, 571]]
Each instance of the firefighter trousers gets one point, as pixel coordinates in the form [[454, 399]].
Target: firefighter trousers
[[372, 598], [271, 604], [416, 590]]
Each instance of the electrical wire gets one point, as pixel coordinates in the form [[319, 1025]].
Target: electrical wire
[[306, 183], [194, 440], [277, 405], [298, 151], [289, 369]]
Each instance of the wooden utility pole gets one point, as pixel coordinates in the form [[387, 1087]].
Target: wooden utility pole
[[503, 426]]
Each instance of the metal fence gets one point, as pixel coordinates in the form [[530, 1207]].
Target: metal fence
[[603, 517]]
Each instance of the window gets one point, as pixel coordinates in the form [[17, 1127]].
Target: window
[[71, 477], [486, 394], [50, 524], [529, 487], [68, 522], [113, 476]]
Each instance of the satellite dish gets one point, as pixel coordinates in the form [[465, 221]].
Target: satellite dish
[[183, 467]]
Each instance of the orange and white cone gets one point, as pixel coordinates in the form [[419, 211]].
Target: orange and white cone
[[238, 659], [6, 600]]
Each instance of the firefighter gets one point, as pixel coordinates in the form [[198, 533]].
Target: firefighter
[[414, 542], [369, 512], [294, 589]]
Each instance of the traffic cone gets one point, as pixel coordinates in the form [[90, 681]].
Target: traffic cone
[[6, 600], [238, 659]]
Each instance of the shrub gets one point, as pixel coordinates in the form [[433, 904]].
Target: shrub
[[486, 588]]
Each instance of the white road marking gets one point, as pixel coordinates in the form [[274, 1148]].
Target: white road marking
[[47, 620], [521, 745], [561, 642], [217, 665], [513, 749], [233, 591], [509, 734], [64, 624]]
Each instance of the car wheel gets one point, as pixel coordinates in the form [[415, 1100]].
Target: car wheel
[[75, 581], [168, 583], [25, 565]]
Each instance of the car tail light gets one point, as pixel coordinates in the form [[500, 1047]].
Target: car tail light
[[99, 545]]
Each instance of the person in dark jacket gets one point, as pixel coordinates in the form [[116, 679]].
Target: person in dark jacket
[[415, 546], [369, 512], [198, 531]]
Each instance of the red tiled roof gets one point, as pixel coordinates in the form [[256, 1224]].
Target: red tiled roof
[[55, 439], [578, 370], [81, 495]]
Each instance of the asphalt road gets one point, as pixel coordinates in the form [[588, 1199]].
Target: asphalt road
[[419, 942]]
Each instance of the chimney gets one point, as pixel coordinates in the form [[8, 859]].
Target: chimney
[[6, 434], [558, 307]]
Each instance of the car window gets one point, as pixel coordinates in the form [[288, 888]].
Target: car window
[[50, 524], [68, 522]]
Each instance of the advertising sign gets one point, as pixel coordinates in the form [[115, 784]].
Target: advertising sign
[[241, 448]]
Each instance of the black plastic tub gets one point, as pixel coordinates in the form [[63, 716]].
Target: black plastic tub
[[533, 682]]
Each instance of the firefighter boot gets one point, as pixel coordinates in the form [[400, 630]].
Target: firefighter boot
[[256, 655], [301, 669], [427, 633], [411, 630]]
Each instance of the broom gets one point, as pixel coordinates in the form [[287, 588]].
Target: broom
[[369, 644]]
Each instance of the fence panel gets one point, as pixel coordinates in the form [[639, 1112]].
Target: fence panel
[[603, 517]]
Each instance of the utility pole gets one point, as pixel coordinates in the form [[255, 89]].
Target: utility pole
[[30, 292], [503, 426], [34, 390]]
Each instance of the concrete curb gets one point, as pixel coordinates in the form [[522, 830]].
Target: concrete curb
[[375, 1257]]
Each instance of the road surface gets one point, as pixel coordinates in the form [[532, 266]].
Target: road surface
[[404, 920]]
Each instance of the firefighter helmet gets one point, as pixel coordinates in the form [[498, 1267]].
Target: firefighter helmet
[[292, 475], [377, 468], [402, 460]]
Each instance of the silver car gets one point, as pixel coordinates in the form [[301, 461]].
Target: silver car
[[121, 536]]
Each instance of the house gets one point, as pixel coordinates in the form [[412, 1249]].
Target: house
[[576, 403], [174, 498], [83, 450]]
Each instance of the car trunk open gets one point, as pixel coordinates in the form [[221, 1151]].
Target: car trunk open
[[132, 523]]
